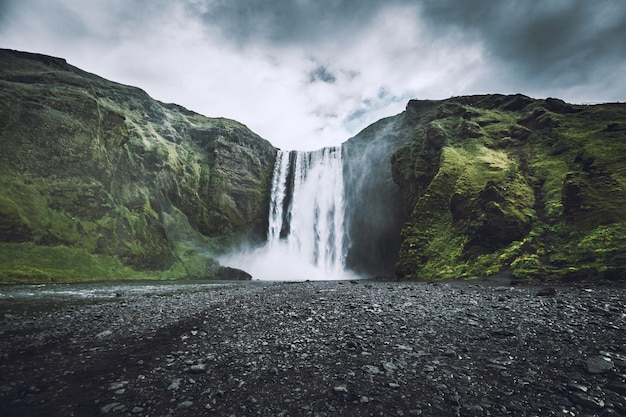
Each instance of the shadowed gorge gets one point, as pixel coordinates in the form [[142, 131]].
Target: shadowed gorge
[[98, 182]]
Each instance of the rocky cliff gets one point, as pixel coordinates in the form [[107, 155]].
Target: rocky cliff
[[375, 210], [536, 188], [100, 181]]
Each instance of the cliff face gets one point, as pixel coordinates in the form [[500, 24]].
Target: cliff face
[[99, 181], [507, 183], [375, 210]]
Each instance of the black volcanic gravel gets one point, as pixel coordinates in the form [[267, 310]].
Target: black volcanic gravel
[[322, 349]]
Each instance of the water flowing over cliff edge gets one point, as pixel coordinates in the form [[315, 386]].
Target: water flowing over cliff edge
[[306, 236], [98, 181]]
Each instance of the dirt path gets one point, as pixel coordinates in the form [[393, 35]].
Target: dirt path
[[322, 349]]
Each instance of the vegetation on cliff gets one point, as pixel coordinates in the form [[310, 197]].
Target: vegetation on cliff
[[507, 183], [100, 181]]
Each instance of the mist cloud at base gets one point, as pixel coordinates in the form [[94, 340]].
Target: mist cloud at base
[[278, 263]]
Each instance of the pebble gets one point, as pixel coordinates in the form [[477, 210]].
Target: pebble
[[372, 369], [198, 368], [599, 364], [114, 386], [104, 334], [618, 387], [185, 404], [587, 401], [112, 407], [546, 292], [340, 389], [174, 385], [430, 352]]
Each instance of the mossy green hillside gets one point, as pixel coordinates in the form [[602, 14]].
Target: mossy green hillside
[[91, 165], [496, 183]]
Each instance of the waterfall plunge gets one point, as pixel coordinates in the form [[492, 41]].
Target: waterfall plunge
[[306, 235]]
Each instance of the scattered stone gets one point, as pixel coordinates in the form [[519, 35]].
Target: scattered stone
[[599, 364], [104, 335], [577, 387], [340, 389], [389, 367], [502, 333], [174, 385], [546, 292], [112, 407], [618, 387], [372, 369], [185, 404], [198, 368], [587, 401], [114, 386], [235, 363]]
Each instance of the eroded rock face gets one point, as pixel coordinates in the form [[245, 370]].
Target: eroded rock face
[[93, 165], [533, 186]]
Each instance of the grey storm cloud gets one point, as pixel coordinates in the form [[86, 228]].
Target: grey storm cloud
[[333, 65], [321, 73], [548, 41], [561, 39], [288, 21]]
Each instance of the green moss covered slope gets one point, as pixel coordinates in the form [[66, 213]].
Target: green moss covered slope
[[507, 183], [100, 181]]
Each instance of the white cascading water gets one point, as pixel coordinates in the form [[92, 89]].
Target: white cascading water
[[305, 236]]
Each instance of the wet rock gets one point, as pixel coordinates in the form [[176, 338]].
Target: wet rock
[[372, 369], [587, 401], [198, 368], [599, 364], [232, 274], [502, 333], [104, 334], [340, 389], [114, 386], [175, 385], [114, 407], [185, 404], [546, 292], [618, 387], [279, 365]]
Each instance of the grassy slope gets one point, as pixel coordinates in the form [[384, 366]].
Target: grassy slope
[[531, 186], [99, 181]]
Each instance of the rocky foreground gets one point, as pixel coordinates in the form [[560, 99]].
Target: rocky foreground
[[321, 349]]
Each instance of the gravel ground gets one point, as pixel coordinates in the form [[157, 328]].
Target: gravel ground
[[355, 348]]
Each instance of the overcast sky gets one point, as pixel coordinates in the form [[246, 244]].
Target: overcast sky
[[310, 73]]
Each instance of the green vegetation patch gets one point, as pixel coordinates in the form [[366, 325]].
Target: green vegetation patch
[[538, 187], [27, 263]]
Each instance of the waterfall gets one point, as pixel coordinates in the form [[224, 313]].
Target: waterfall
[[306, 235], [306, 210]]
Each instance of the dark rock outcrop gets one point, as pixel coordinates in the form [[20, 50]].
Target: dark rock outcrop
[[531, 186], [98, 180], [232, 274]]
